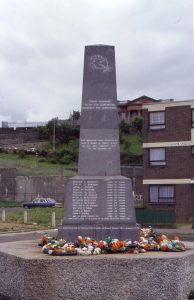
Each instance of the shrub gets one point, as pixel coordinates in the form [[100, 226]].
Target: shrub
[[21, 153], [42, 160], [138, 123]]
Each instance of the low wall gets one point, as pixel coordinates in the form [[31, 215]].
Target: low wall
[[29, 274]]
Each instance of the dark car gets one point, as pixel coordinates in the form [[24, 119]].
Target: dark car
[[40, 202]]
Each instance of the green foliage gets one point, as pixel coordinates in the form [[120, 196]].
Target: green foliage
[[63, 131], [31, 165], [43, 132], [21, 154], [191, 295], [4, 204], [65, 153], [75, 115], [124, 128], [138, 124], [131, 149], [41, 216]]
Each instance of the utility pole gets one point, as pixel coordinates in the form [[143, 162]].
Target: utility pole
[[54, 134]]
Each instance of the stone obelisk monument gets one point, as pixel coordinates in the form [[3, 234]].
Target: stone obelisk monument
[[99, 201]]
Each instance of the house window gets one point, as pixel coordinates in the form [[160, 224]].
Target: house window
[[134, 114], [157, 120], [157, 157], [192, 117], [162, 194], [122, 116]]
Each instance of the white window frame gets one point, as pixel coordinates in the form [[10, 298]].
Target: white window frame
[[157, 120], [159, 190], [154, 161]]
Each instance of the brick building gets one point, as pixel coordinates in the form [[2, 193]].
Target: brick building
[[128, 110], [168, 142]]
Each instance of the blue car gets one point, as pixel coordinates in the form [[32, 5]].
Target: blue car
[[40, 202]]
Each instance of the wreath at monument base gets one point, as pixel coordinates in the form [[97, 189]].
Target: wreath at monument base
[[149, 241]]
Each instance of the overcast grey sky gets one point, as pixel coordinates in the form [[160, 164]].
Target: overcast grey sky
[[42, 52]]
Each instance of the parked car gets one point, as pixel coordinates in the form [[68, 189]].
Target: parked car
[[40, 202]]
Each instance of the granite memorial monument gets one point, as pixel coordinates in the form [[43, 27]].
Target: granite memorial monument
[[99, 201]]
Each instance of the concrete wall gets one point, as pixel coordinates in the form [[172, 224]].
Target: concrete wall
[[9, 136], [8, 184], [25, 188], [29, 187]]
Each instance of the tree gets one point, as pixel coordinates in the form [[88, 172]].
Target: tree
[[124, 127], [138, 123], [75, 115], [59, 132]]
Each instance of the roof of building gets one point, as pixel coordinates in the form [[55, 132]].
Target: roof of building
[[139, 101]]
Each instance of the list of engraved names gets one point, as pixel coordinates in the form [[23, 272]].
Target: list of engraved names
[[84, 199]]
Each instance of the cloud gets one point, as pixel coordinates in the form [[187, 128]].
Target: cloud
[[42, 52]]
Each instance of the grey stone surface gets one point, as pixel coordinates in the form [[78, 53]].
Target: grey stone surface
[[98, 206], [99, 136], [99, 201], [29, 274]]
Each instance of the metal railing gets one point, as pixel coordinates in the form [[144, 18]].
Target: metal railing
[[147, 216]]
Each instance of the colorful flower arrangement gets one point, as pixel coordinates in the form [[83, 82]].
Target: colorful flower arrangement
[[148, 241]]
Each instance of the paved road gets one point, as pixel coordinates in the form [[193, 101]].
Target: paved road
[[22, 236]]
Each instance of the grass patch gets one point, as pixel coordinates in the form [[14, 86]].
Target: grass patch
[[6, 204], [31, 165], [41, 216], [181, 225]]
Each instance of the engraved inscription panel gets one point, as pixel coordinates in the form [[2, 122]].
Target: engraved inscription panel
[[100, 104], [84, 199], [99, 200], [99, 144], [116, 199]]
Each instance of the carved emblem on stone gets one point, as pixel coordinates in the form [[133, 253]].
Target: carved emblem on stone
[[100, 63]]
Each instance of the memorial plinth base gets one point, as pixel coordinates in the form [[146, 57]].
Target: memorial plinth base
[[71, 232], [29, 274], [98, 207]]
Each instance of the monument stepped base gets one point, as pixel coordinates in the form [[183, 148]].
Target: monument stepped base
[[29, 274], [71, 232]]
